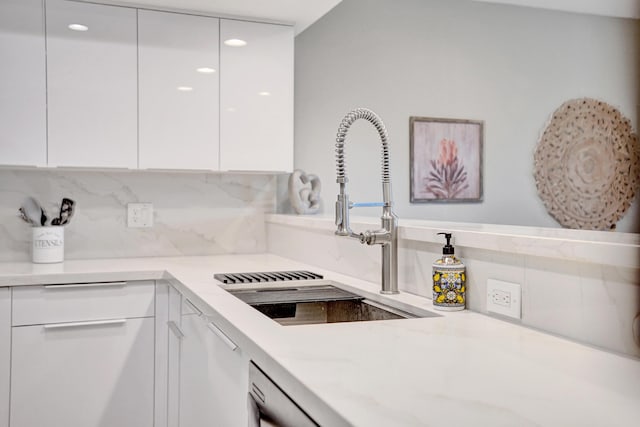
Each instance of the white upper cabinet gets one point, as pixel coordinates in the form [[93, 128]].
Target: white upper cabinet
[[179, 91], [23, 140], [256, 96], [92, 85], [120, 87]]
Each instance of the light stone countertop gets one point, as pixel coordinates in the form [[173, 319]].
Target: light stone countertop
[[461, 368]]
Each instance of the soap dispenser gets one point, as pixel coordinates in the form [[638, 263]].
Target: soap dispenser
[[449, 280]]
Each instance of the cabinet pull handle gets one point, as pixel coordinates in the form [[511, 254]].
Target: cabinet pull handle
[[222, 336], [193, 307], [80, 324], [175, 329], [85, 285]]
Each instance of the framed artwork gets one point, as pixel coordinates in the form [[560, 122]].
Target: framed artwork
[[445, 160]]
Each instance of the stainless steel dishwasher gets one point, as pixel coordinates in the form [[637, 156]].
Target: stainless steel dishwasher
[[269, 406]]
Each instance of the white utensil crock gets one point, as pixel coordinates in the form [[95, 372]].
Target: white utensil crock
[[48, 244]]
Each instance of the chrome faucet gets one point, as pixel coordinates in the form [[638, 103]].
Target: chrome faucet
[[387, 236]]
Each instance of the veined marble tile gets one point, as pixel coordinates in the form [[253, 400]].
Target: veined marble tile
[[416, 259], [414, 269], [587, 301], [194, 213], [324, 249], [592, 303], [615, 248]]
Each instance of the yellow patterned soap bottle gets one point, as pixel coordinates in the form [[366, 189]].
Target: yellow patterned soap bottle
[[449, 280]]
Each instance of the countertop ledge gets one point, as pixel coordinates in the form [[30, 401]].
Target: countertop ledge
[[598, 247], [460, 368]]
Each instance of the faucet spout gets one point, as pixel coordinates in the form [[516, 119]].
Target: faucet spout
[[387, 236]]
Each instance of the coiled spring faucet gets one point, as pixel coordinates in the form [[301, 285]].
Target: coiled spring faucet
[[387, 236]]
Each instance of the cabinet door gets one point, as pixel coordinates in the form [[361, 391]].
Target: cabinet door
[[22, 83], [175, 336], [5, 354], [179, 90], [213, 377], [256, 88], [92, 85], [83, 376]]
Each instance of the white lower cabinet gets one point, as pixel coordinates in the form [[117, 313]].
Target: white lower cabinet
[[93, 375], [174, 341], [213, 375], [75, 367], [5, 354], [146, 362]]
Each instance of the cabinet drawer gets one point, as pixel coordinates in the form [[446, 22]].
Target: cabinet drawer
[[98, 375], [34, 305]]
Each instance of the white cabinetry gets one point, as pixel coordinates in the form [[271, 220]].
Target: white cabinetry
[[85, 370], [126, 88], [256, 89], [175, 335], [208, 382], [23, 140], [5, 354], [179, 90], [92, 85]]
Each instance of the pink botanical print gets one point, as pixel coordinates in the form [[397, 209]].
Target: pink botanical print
[[446, 178]]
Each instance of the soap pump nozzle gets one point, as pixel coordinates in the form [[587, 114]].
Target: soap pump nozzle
[[447, 249]]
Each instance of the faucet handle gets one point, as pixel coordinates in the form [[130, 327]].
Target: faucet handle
[[366, 205]]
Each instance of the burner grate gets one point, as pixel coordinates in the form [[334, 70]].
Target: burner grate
[[267, 276]]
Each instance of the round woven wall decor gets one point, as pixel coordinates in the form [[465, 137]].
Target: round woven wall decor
[[587, 165]]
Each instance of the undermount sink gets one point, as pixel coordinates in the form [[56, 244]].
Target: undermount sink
[[314, 304]]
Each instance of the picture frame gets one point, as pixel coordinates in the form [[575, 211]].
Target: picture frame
[[445, 160]]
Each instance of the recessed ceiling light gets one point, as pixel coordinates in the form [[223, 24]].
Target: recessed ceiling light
[[264, 93], [185, 88], [206, 70], [235, 42], [78, 27]]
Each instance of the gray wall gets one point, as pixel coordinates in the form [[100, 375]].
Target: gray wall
[[509, 66]]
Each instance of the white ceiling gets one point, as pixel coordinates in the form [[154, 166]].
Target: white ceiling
[[617, 8], [301, 13]]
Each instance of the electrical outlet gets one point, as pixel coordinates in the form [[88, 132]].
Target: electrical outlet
[[501, 298], [139, 215], [504, 298]]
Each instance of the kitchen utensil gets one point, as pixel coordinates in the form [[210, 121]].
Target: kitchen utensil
[[33, 211], [24, 216], [66, 212], [43, 217]]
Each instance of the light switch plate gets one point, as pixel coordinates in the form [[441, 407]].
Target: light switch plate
[[504, 298], [139, 215]]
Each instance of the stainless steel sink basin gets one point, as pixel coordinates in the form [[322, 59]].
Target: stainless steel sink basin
[[313, 304]]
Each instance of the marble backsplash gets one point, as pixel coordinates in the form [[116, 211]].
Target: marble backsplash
[[194, 213], [590, 302]]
